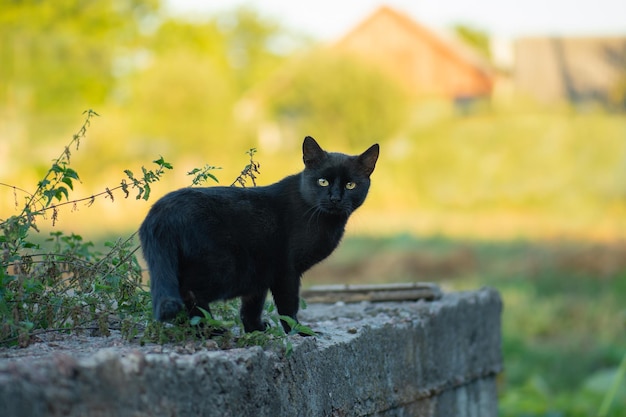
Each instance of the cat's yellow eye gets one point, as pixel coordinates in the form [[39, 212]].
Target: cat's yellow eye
[[350, 186], [323, 182]]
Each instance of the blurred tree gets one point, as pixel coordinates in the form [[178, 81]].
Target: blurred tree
[[197, 73], [338, 98], [62, 54], [157, 79], [252, 45], [184, 101], [476, 38]]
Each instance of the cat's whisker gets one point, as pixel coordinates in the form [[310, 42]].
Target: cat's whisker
[[314, 211]]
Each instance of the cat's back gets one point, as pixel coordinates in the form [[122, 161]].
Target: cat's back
[[192, 198], [223, 206], [209, 201]]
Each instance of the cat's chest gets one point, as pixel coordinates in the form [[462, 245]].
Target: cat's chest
[[314, 243]]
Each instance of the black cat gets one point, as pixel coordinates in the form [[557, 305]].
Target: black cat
[[207, 244]]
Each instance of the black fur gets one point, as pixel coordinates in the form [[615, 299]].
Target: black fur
[[206, 244]]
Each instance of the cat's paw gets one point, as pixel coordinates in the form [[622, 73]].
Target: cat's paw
[[260, 325], [168, 309]]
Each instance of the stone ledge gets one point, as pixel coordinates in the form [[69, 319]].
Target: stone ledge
[[387, 359]]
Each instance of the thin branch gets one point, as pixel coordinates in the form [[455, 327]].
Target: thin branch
[[17, 188], [65, 155], [249, 171]]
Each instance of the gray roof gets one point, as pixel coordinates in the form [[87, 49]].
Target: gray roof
[[574, 69]]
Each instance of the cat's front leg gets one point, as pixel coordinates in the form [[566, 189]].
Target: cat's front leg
[[250, 313], [287, 299]]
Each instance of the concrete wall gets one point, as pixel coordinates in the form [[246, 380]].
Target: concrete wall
[[421, 358]]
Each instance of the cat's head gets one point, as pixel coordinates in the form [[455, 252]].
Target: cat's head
[[336, 183]]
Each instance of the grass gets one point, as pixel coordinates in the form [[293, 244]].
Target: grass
[[564, 322], [504, 172]]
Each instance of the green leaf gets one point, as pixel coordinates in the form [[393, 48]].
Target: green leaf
[[302, 329], [290, 321], [161, 162], [195, 320], [146, 194], [56, 168], [69, 172], [27, 324], [297, 327], [50, 194], [68, 181], [205, 313], [60, 192]]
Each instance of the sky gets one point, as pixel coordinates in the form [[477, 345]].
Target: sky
[[330, 19]]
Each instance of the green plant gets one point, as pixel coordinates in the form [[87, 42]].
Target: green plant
[[611, 393], [249, 171], [223, 325], [68, 285]]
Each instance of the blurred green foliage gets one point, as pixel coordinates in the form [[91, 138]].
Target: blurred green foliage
[[175, 81], [178, 85], [197, 74], [57, 54], [476, 38], [340, 99], [520, 158]]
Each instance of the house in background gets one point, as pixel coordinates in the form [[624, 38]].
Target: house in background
[[574, 69], [579, 70], [425, 63]]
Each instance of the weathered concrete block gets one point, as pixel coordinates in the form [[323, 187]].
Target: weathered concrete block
[[435, 358]]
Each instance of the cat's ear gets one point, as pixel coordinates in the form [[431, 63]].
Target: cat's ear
[[312, 153], [367, 160]]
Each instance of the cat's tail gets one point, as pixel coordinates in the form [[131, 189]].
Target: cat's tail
[[161, 256]]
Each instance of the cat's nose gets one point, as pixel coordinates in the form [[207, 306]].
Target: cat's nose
[[334, 195]]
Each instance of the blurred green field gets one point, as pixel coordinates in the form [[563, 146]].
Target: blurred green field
[[564, 319], [505, 171]]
